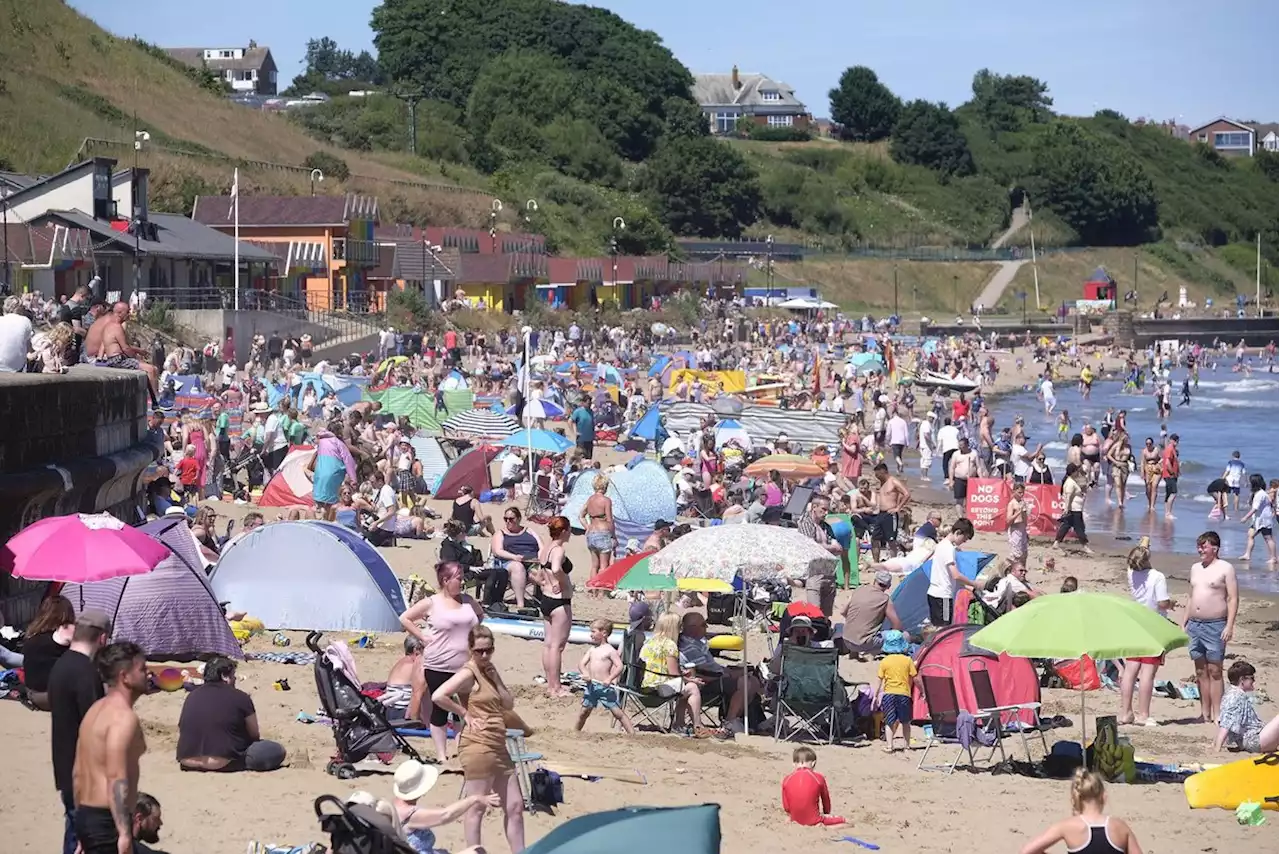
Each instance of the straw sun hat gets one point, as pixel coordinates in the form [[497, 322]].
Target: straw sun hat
[[413, 780]]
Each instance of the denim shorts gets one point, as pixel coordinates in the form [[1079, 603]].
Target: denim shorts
[[597, 694], [1206, 640], [600, 541]]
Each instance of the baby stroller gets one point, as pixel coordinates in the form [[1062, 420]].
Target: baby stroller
[[360, 725], [243, 471]]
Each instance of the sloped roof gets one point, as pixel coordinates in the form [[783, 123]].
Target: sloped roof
[[178, 237], [254, 57], [717, 90], [1240, 125], [256, 211], [1268, 127]]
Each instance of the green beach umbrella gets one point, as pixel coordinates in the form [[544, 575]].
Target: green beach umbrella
[[640, 577], [1073, 625]]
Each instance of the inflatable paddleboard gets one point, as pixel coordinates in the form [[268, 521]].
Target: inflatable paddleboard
[[536, 630], [1255, 779]]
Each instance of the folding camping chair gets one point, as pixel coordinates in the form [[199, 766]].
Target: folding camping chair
[[522, 758], [796, 505], [944, 712], [542, 503], [984, 695], [810, 692], [642, 704]]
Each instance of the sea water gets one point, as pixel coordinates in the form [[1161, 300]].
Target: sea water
[[1228, 412]]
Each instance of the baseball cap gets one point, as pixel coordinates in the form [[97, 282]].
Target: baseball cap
[[661, 524], [92, 618], [800, 622], [639, 615], [883, 578]]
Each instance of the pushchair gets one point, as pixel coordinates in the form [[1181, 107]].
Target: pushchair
[[243, 471], [360, 725]]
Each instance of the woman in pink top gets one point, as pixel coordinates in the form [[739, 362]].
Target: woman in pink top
[[449, 617]]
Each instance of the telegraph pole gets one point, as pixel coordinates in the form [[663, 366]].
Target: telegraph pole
[[412, 99]]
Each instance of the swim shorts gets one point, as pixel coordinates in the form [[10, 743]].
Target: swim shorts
[[599, 541], [597, 694], [1170, 487], [896, 708], [1206, 640]]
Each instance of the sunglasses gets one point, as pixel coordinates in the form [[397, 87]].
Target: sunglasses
[[510, 519], [483, 650]]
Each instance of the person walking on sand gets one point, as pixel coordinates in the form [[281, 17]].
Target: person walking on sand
[[601, 666], [1148, 587], [1151, 472], [1210, 620], [1088, 831], [1170, 469], [1261, 518], [111, 743]]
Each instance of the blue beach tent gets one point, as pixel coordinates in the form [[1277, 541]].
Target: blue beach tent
[[909, 596]]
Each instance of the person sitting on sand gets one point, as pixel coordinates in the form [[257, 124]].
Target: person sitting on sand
[[1088, 831], [218, 727], [404, 681], [1239, 727], [660, 658], [412, 782], [805, 795]]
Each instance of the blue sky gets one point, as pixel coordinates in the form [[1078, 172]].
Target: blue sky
[[1178, 59]]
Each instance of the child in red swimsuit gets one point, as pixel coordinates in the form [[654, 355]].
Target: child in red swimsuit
[[805, 796]]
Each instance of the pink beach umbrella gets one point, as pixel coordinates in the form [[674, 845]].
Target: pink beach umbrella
[[79, 549]]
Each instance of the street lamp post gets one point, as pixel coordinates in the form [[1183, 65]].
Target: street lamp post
[[768, 265], [955, 294], [4, 209], [1022, 295], [316, 177], [493, 223], [895, 290], [530, 208], [1135, 280], [139, 137]]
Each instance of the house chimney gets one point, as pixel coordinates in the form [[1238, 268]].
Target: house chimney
[[737, 81], [252, 44]]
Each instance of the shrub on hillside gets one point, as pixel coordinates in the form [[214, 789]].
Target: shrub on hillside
[[331, 165], [764, 133], [929, 135]]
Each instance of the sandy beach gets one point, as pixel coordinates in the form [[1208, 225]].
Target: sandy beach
[[888, 801]]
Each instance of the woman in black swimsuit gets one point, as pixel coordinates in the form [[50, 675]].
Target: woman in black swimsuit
[[464, 510], [555, 592]]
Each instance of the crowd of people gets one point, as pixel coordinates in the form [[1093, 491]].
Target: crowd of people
[[365, 475]]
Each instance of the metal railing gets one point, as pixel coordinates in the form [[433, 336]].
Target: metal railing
[[356, 313]]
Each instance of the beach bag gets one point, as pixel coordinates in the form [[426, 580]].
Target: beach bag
[[545, 788], [1072, 673]]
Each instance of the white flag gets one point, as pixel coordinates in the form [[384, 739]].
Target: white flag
[[235, 184]]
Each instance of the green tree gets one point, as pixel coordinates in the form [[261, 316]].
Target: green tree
[[862, 106], [702, 188], [685, 118], [333, 167], [330, 69], [929, 135], [577, 148], [536, 87], [1095, 185], [1009, 102], [1266, 163], [441, 46]]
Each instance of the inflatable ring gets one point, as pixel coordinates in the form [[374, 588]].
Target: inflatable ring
[[732, 643]]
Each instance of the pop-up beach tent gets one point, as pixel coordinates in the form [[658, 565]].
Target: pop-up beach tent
[[289, 486], [470, 469], [1013, 679], [171, 611], [309, 575], [909, 597]]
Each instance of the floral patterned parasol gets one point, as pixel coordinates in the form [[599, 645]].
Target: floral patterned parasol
[[756, 552]]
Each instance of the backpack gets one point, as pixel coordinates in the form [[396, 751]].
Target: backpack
[[545, 788]]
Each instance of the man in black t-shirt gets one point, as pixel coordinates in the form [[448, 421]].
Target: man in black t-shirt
[[74, 686], [275, 348], [218, 727]]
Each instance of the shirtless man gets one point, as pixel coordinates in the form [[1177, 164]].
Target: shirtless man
[[892, 496], [107, 345], [111, 744], [964, 465], [986, 442], [1210, 620]]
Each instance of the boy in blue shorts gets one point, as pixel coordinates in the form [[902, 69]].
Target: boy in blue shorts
[[893, 692], [601, 667]]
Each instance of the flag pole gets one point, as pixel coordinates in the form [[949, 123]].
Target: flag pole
[[235, 201]]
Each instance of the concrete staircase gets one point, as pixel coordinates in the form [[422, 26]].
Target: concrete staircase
[[1020, 218], [993, 290]]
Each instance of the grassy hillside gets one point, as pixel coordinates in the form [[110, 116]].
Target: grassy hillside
[[62, 79]]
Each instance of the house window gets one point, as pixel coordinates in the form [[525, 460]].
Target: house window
[[725, 122], [780, 121], [245, 75], [1269, 143], [770, 95], [226, 54], [1202, 137], [1232, 139]]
